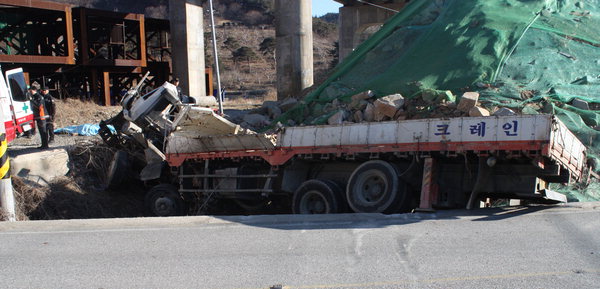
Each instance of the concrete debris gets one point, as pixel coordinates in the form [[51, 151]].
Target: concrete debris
[[358, 116], [288, 103], [401, 115], [41, 167], [369, 113], [359, 99], [337, 118], [274, 111], [478, 111], [504, 112], [363, 95], [388, 106], [581, 104], [468, 101], [359, 105], [256, 120]]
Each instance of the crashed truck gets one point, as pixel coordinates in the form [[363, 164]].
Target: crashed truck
[[191, 159]]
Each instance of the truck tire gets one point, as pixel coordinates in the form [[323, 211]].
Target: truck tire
[[318, 197], [164, 200], [118, 169], [374, 188]]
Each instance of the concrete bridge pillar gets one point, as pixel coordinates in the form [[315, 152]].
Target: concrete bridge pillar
[[294, 49], [187, 35], [360, 21]]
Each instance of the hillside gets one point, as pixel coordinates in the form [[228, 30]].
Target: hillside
[[245, 33]]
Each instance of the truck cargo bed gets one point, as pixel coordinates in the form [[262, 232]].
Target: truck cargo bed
[[541, 135]]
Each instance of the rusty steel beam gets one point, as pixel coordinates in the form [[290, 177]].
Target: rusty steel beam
[[39, 4], [37, 59], [106, 85], [429, 187], [115, 62], [142, 44], [69, 37], [111, 14]]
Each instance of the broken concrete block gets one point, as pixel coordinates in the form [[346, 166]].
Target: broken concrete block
[[358, 116], [359, 105], [388, 106], [400, 115], [363, 95], [369, 113], [478, 111], [270, 103], [256, 120], [288, 103], [274, 111], [41, 167], [468, 101], [581, 104], [337, 118], [504, 112]]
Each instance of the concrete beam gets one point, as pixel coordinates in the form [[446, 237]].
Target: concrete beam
[[355, 20], [294, 51], [187, 35]]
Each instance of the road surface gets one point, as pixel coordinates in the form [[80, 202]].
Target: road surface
[[518, 247]]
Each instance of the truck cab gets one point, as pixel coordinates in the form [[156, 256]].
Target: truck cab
[[15, 108]]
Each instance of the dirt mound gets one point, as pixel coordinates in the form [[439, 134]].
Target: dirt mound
[[74, 112]]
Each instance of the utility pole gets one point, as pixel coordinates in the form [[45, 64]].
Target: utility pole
[[216, 58], [7, 197]]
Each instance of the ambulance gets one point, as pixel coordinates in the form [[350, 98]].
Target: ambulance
[[16, 115]]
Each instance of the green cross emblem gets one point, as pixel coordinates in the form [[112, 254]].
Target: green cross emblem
[[25, 107]]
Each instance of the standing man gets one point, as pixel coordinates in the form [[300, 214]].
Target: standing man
[[51, 109], [40, 115], [182, 97]]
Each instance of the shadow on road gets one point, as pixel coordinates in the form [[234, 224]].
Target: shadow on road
[[370, 221]]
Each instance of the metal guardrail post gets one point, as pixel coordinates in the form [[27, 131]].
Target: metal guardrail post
[[7, 198]]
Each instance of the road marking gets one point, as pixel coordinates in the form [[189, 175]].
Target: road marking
[[438, 280]]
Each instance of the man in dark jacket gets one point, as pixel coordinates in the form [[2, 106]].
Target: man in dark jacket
[[51, 109], [40, 115], [182, 97]]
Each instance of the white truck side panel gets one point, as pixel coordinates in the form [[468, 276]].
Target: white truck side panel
[[466, 129]]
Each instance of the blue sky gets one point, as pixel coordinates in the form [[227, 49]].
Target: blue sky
[[322, 7]]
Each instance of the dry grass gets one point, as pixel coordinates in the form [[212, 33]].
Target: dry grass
[[75, 112], [81, 194]]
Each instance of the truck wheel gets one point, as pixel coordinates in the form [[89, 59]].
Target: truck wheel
[[119, 166], [318, 197], [164, 200], [373, 188]]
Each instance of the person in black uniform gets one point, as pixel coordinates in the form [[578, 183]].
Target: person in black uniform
[[40, 115], [51, 109], [182, 97]]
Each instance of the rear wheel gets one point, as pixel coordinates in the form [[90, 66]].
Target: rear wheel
[[318, 197], [374, 188], [164, 200]]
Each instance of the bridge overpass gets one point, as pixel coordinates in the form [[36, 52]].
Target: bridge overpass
[[293, 21]]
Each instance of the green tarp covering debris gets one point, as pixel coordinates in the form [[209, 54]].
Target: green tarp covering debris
[[533, 56]]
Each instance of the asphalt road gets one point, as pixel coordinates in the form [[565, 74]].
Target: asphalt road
[[535, 247]]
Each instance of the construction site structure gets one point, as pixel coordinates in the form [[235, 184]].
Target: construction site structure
[[87, 53]]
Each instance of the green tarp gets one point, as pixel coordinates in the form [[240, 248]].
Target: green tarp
[[534, 56]]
